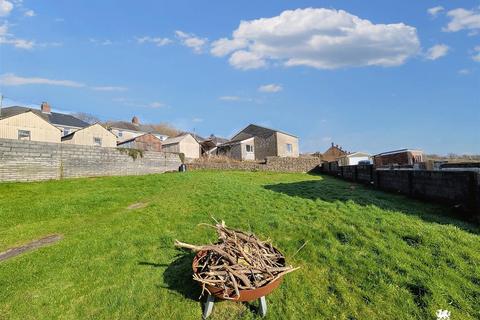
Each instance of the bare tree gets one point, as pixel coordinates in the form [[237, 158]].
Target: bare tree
[[87, 117], [166, 129]]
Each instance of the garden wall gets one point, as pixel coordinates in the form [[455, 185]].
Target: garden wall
[[457, 188], [29, 161], [277, 164]]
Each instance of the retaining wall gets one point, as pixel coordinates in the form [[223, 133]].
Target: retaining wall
[[30, 161], [277, 164]]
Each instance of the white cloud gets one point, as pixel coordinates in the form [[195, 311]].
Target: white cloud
[[230, 98], [10, 79], [437, 51], [109, 88], [197, 120], [464, 71], [270, 88], [156, 105], [435, 11], [192, 41], [158, 41], [463, 19], [319, 38], [30, 13], [476, 56], [5, 8], [8, 38]]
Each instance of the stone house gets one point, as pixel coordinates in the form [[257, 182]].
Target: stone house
[[27, 125], [146, 142], [353, 158], [402, 157], [333, 153], [185, 144], [129, 130], [266, 142], [65, 122], [94, 135]]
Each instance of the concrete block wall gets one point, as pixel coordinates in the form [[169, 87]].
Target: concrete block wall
[[30, 161], [457, 188]]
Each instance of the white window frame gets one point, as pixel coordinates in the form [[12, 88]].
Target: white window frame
[[120, 133], [26, 134], [289, 148], [251, 148]]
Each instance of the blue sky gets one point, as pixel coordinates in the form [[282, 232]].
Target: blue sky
[[371, 76]]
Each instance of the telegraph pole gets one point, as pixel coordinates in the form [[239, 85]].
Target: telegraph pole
[[1, 104]]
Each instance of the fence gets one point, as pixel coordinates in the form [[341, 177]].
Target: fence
[[457, 188], [29, 161]]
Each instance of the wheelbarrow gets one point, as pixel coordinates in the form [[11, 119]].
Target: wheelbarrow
[[244, 295]]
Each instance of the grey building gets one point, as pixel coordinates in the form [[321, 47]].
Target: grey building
[[256, 143]]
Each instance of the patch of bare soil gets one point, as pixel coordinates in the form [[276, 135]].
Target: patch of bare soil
[[138, 205], [10, 253]]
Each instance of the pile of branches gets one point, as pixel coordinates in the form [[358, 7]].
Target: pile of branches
[[238, 261]]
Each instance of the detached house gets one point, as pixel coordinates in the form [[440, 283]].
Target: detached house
[[129, 130], [185, 144], [30, 124], [256, 143], [93, 135]]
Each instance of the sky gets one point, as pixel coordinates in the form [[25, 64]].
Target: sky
[[370, 76]]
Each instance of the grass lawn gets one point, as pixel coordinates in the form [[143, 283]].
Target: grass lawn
[[370, 255]]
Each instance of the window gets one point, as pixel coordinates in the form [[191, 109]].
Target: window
[[97, 141], [23, 135], [289, 148], [120, 134], [66, 131], [249, 148]]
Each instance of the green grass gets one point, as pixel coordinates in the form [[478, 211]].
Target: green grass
[[370, 255]]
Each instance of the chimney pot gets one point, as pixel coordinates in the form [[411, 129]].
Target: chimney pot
[[45, 107], [135, 120]]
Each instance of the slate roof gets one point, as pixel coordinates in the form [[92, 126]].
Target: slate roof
[[254, 130], [54, 118], [176, 139]]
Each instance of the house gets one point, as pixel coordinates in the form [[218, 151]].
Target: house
[[353, 158], [209, 146], [146, 142], [266, 143], [128, 130], [65, 122], [93, 135], [185, 144], [333, 153], [27, 125], [242, 149], [402, 157]]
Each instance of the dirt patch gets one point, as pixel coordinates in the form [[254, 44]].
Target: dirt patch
[[10, 253], [138, 205]]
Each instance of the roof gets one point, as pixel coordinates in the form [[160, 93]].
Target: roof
[[254, 130], [70, 135], [176, 139], [55, 118], [136, 138], [124, 125], [237, 141], [353, 154], [397, 151], [12, 115]]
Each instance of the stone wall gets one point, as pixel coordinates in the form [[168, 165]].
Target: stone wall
[[30, 161], [276, 164]]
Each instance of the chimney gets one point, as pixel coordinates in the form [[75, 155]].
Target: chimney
[[135, 120], [45, 107], [332, 144]]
